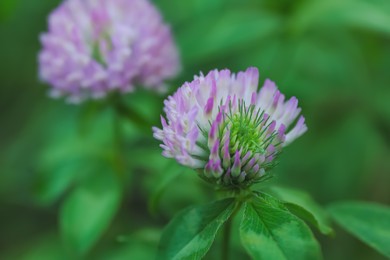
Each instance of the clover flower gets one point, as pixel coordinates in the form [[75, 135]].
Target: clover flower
[[221, 125], [93, 47]]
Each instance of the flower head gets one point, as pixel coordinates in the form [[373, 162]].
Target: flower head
[[93, 47], [221, 125]]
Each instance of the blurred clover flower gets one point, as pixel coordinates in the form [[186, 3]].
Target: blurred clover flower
[[93, 47], [222, 126]]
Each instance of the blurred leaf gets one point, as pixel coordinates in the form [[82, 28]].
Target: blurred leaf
[[311, 12], [367, 15], [367, 221], [381, 102], [221, 35], [191, 233], [187, 189], [147, 235], [88, 211], [6, 8], [169, 175], [269, 56], [302, 205], [68, 140], [191, 188], [318, 68], [342, 152], [269, 231], [68, 146], [185, 10], [52, 184], [141, 244], [45, 246], [133, 250], [371, 15]]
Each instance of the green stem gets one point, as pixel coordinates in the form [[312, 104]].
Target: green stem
[[227, 230], [119, 160]]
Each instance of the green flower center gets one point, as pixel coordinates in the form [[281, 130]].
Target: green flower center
[[247, 130]]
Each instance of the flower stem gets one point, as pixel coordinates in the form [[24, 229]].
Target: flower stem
[[227, 230], [119, 160]]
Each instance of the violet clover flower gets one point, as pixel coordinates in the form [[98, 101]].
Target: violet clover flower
[[93, 47], [222, 126]]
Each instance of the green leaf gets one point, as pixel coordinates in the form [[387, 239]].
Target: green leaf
[[190, 234], [269, 231], [307, 216], [303, 206], [367, 221], [88, 211]]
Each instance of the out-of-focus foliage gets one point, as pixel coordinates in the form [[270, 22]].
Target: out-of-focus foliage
[[62, 165], [368, 221]]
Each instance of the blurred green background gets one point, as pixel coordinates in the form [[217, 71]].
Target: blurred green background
[[78, 180]]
